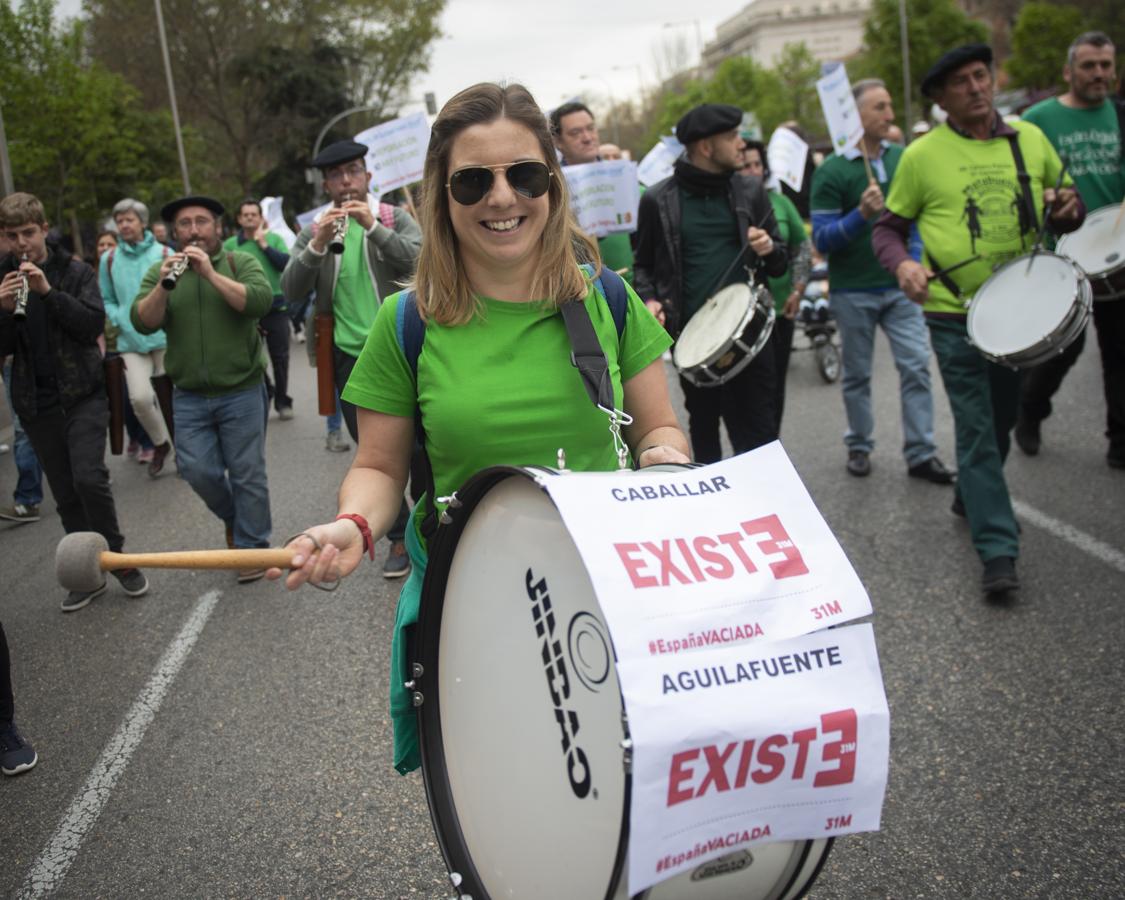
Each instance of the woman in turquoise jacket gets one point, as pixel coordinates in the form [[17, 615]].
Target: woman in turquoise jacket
[[119, 276]]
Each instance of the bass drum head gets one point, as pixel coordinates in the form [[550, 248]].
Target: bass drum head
[[1016, 310], [522, 719], [1097, 246], [713, 327]]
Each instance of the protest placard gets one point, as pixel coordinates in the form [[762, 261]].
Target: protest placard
[[396, 152], [604, 196], [768, 742], [271, 212], [788, 155], [684, 559], [658, 162], [840, 112]]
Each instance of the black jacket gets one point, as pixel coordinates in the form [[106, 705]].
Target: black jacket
[[658, 260], [75, 318]]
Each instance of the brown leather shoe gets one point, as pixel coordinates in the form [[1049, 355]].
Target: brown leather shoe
[[159, 454]]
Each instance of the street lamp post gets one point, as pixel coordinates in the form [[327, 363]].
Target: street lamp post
[[172, 96], [612, 105], [905, 70]]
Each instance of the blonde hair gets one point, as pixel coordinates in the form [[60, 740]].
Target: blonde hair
[[440, 283]]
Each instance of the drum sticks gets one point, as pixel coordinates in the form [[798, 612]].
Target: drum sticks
[[1047, 215], [953, 268]]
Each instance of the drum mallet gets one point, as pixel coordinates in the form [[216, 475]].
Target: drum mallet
[[83, 558]]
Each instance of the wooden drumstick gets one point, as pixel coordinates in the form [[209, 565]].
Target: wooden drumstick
[[83, 557]]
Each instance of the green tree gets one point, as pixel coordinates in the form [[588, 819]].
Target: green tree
[[797, 70], [933, 27], [77, 134], [1104, 15], [1039, 42]]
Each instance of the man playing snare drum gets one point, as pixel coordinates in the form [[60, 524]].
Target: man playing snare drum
[[1084, 124], [974, 157], [691, 227]]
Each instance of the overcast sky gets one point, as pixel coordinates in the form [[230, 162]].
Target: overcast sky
[[549, 44]]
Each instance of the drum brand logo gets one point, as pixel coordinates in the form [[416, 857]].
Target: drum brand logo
[[558, 684], [724, 865]]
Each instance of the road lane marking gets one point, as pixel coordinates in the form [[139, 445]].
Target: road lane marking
[[52, 864], [1085, 542]]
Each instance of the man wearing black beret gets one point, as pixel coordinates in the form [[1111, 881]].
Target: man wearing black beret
[[376, 253], [690, 228], [974, 187], [209, 313]]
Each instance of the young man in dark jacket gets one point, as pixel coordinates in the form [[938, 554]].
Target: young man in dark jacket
[[58, 389], [690, 229]]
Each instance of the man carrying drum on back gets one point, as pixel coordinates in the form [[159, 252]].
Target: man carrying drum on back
[[973, 158], [697, 232], [1085, 126]]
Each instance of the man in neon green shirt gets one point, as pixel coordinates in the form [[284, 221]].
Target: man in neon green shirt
[[254, 237], [1084, 124], [958, 186]]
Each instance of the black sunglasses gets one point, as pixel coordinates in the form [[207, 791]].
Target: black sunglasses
[[470, 185]]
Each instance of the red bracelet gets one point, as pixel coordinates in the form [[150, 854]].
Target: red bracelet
[[364, 529]]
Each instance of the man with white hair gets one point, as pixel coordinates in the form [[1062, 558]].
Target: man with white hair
[[119, 276]]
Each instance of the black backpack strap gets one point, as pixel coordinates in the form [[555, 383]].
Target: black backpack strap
[[1026, 199], [587, 355], [410, 328]]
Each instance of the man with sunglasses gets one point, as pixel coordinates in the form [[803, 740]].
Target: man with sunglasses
[[698, 231], [210, 317], [380, 248], [576, 139]]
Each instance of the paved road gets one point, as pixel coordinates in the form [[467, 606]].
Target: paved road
[[264, 770]]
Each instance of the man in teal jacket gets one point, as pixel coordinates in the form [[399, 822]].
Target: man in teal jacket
[[215, 360]]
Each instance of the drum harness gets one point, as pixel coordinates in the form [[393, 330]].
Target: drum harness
[[586, 355], [1026, 213]]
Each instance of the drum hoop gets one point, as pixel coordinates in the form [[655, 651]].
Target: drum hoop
[[747, 318], [750, 351], [435, 775], [814, 875]]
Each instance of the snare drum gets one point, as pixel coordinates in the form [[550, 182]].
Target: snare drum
[[521, 720], [722, 338], [1029, 310], [1099, 249]]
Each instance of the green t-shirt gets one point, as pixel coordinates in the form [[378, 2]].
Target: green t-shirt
[[500, 389], [963, 194], [793, 234], [709, 241], [837, 186], [354, 301], [617, 254], [251, 248], [1090, 140]]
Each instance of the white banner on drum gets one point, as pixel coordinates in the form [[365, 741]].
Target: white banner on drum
[[604, 196], [396, 151], [750, 745], [707, 557]]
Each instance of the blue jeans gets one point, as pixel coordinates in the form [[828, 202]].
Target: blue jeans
[[221, 453], [29, 484], [857, 315], [335, 421]]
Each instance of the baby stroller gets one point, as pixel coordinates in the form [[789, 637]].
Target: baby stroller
[[817, 322]]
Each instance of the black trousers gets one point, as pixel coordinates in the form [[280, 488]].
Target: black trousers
[[344, 363], [782, 339], [1041, 382], [71, 448], [746, 405], [7, 701], [276, 326]]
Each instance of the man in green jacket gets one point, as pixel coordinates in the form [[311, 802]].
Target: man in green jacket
[[210, 316]]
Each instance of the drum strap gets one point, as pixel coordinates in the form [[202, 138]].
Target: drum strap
[[587, 355], [1027, 218]]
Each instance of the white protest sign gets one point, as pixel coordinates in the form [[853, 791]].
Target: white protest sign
[[308, 217], [702, 557], [766, 742], [271, 212], [658, 162], [788, 155], [840, 112], [604, 196], [396, 152]]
